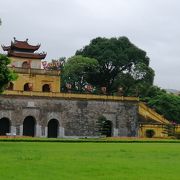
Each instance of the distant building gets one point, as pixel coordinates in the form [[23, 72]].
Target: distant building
[[27, 63]]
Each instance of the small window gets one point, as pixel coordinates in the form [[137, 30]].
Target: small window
[[46, 88], [25, 65]]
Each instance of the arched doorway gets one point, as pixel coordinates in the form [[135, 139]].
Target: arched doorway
[[53, 127], [28, 87], [109, 128], [46, 88], [29, 126], [4, 126], [104, 126]]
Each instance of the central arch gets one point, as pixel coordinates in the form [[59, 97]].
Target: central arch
[[53, 128], [109, 126], [29, 126], [4, 126]]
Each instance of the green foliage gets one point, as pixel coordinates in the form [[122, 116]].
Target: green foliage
[[152, 92], [166, 104], [88, 140], [104, 126], [119, 60], [77, 71], [87, 161], [6, 75]]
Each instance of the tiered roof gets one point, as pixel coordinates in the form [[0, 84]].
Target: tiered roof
[[23, 49]]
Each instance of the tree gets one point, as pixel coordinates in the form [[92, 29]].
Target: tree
[[117, 58], [6, 75], [136, 83], [77, 71], [152, 92], [166, 104]]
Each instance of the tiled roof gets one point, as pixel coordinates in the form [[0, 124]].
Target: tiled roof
[[28, 55], [24, 45]]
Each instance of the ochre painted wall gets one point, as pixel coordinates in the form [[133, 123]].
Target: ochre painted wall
[[37, 82], [158, 129], [34, 63]]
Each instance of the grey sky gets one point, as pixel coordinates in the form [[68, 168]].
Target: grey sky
[[63, 26]]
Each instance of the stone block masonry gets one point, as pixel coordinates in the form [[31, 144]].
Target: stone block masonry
[[69, 117]]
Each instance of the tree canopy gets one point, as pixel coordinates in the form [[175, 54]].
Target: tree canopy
[[166, 104], [118, 61], [77, 71], [6, 75]]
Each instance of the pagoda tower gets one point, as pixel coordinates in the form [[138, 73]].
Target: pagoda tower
[[27, 64]]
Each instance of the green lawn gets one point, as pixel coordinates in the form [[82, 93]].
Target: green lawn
[[121, 161]]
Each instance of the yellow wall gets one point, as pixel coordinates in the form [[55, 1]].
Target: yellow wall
[[34, 63], [35, 75], [37, 81], [158, 129]]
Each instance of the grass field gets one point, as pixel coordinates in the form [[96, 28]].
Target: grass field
[[121, 161]]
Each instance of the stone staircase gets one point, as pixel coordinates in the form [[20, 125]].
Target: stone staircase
[[149, 113]]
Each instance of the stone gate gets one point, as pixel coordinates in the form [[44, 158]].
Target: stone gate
[[65, 117]]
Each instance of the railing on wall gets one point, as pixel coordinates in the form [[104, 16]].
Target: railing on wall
[[35, 71], [70, 95], [147, 112]]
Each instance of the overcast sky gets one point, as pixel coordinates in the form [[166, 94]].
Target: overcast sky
[[64, 26]]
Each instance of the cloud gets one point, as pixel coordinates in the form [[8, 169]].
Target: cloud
[[63, 26]]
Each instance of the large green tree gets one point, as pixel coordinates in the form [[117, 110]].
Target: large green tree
[[166, 104], [119, 61], [77, 71], [6, 75]]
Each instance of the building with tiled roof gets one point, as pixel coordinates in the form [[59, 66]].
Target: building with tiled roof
[[23, 49], [27, 64]]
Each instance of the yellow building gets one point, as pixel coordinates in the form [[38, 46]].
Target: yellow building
[[27, 64]]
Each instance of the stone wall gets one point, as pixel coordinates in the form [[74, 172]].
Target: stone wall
[[77, 118]]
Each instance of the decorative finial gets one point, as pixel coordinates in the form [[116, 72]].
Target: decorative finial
[[14, 39], [27, 40]]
